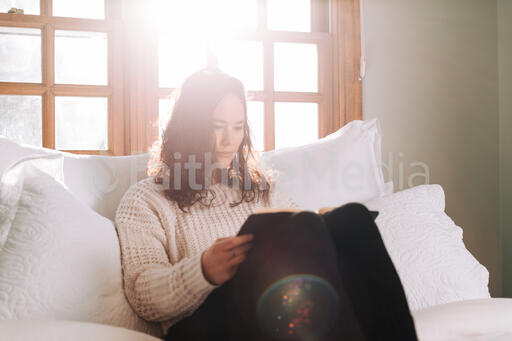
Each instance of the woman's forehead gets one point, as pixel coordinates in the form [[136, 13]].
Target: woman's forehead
[[229, 109]]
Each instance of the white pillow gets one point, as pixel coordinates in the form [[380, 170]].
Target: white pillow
[[101, 181], [58, 258], [427, 248], [11, 151], [98, 181], [341, 167], [54, 330], [483, 319]]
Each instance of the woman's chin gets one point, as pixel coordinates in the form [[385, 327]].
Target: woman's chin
[[224, 162]]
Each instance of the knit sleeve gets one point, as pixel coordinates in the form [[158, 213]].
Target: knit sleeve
[[156, 289], [279, 198]]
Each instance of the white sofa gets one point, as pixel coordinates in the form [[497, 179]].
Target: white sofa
[[83, 297]]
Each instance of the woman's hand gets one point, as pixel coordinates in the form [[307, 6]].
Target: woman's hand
[[220, 262]]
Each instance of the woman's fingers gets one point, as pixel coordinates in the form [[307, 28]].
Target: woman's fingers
[[242, 249], [232, 253], [220, 260], [237, 260], [233, 242], [224, 256]]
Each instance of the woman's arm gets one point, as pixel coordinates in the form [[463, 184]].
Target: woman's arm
[[156, 289]]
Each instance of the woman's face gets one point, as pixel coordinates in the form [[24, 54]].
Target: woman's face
[[228, 124]]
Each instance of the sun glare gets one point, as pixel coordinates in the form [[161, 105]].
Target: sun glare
[[206, 17], [189, 30], [197, 33]]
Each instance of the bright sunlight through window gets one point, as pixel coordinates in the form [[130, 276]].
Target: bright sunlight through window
[[196, 33]]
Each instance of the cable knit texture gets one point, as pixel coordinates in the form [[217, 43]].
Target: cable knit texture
[[161, 246]]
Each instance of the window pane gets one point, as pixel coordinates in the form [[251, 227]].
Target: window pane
[[178, 57], [244, 60], [289, 15], [255, 114], [81, 123], [295, 67], [91, 9], [20, 118], [20, 55], [165, 106], [295, 124], [81, 58], [28, 6]]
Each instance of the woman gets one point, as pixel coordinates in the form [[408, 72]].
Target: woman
[[178, 228]]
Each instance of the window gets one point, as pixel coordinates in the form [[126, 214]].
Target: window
[[281, 56], [96, 76], [57, 83]]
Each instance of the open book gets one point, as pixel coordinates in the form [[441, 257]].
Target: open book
[[320, 211], [289, 209]]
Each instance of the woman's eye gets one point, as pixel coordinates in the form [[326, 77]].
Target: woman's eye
[[239, 128]]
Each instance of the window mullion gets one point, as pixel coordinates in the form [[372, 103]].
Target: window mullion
[[262, 15], [46, 8], [48, 55], [48, 67], [116, 106], [48, 120], [325, 124], [113, 11], [320, 16], [268, 92]]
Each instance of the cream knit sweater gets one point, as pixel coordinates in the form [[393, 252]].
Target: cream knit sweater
[[161, 247]]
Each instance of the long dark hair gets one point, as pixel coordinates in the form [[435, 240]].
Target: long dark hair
[[189, 133]]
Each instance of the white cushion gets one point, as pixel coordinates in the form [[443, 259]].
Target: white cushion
[[98, 181], [427, 249], [342, 167], [58, 258], [101, 181], [483, 319], [54, 330]]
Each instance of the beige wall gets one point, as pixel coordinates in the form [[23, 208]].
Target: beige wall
[[505, 81], [432, 80]]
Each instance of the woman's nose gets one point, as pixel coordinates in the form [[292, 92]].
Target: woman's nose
[[226, 137]]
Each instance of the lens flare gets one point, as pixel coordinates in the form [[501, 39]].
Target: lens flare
[[298, 307]]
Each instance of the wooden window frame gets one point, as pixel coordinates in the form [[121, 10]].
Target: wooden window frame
[[346, 60], [48, 90], [268, 96], [335, 29], [133, 91], [318, 36]]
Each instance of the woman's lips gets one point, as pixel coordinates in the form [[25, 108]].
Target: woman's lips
[[225, 153]]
